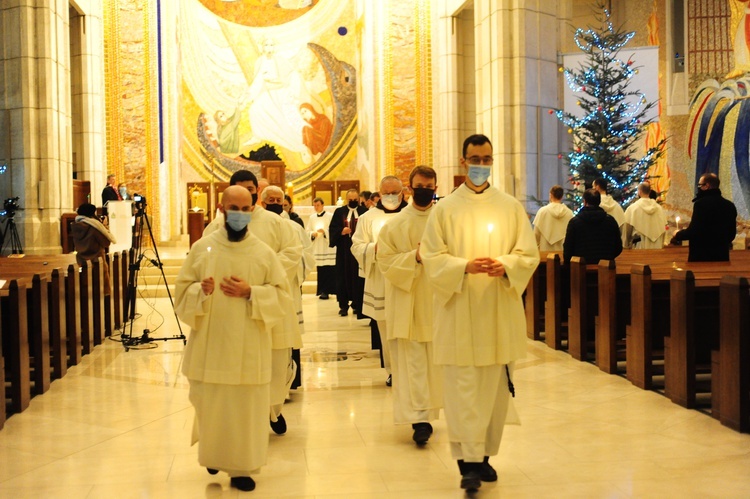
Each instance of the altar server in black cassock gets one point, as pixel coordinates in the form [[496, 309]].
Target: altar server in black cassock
[[351, 285]]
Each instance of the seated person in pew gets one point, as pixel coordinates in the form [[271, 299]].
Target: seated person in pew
[[713, 226], [592, 234], [551, 221], [645, 222], [91, 239]]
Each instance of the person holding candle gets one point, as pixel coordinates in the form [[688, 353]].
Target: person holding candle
[[551, 221], [417, 382], [231, 297], [350, 285], [478, 278], [713, 226], [645, 222], [325, 256], [364, 249]]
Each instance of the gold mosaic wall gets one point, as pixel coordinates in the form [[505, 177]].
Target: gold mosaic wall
[[130, 48], [408, 95]]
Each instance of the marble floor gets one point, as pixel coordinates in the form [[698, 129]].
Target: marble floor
[[118, 426]]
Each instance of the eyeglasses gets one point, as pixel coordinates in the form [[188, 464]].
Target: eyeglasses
[[701, 185], [476, 160]]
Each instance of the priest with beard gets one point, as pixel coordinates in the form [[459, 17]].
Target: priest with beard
[[364, 249], [230, 292], [417, 381], [350, 284], [281, 238]]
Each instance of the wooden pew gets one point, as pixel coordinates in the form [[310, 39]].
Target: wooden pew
[[614, 299], [694, 331], [73, 315], [732, 386], [15, 343], [87, 308], [651, 318], [97, 300], [38, 332], [582, 314], [115, 309], [557, 301], [536, 296]]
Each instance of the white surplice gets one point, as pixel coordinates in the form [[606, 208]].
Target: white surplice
[[364, 241], [479, 320], [550, 224], [613, 209], [324, 254], [647, 219], [282, 238], [417, 382], [228, 354]]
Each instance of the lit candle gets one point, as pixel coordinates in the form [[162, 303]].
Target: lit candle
[[290, 189], [210, 264], [677, 222], [489, 236]]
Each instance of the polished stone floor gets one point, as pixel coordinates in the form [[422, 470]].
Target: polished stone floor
[[118, 425]]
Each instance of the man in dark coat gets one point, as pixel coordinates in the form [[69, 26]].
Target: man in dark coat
[[592, 234], [343, 224], [713, 226]]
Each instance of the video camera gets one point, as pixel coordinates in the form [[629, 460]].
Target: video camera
[[139, 202], [10, 207]]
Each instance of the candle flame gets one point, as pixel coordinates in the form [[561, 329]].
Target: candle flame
[[489, 228]]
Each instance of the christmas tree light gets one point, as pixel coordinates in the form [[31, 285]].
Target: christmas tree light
[[605, 138]]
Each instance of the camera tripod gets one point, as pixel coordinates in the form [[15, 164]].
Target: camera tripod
[[128, 340], [15, 242]]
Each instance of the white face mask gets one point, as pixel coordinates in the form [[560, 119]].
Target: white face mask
[[390, 201]]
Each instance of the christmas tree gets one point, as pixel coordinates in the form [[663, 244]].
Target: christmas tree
[[606, 137]]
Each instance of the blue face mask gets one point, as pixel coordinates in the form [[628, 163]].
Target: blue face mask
[[478, 174], [238, 220]]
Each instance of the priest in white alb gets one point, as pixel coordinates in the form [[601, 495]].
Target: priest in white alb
[[645, 222], [229, 291], [364, 249], [479, 252], [417, 381], [551, 221], [272, 198], [325, 255], [281, 238]]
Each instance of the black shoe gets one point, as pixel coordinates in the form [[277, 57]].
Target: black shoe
[[470, 481], [279, 427], [244, 483], [324, 296], [343, 313], [389, 381], [212, 471], [422, 432], [486, 472]]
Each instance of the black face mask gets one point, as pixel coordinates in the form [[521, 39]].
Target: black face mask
[[422, 196], [353, 204], [255, 198], [275, 208]]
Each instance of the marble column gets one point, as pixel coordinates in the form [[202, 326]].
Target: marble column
[[36, 99], [87, 92]]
